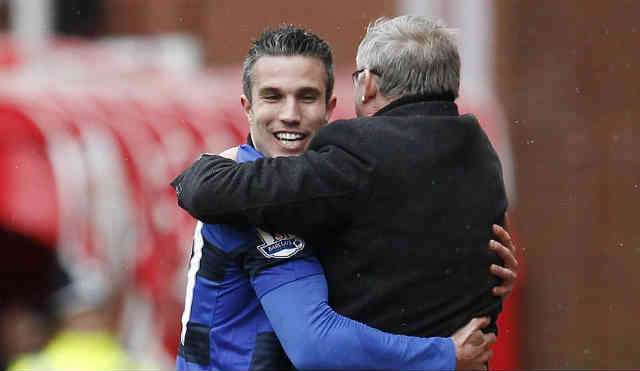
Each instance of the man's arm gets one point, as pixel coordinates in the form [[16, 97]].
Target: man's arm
[[314, 336], [294, 194]]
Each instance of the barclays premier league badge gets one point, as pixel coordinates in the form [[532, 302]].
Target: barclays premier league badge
[[279, 245]]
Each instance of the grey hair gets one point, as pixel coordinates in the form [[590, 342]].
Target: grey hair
[[412, 55]]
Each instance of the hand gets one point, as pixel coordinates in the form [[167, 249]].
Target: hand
[[507, 251], [231, 153], [472, 345]]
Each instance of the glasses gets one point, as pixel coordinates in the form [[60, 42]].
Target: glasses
[[355, 74]]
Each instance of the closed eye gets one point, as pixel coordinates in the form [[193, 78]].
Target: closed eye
[[270, 95], [309, 95]]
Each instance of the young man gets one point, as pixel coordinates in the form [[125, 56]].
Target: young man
[[288, 83]]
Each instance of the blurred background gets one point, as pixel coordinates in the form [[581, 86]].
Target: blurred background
[[103, 102]]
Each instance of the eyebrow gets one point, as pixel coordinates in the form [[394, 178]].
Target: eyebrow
[[309, 90], [268, 90], [302, 91]]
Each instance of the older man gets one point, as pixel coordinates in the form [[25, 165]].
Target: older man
[[287, 99]]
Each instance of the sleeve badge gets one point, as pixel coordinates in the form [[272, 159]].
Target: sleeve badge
[[279, 245]]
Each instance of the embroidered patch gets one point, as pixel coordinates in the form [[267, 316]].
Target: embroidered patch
[[279, 245]]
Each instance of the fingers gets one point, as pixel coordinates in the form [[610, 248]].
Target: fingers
[[506, 250], [468, 330], [485, 354], [476, 324], [509, 279], [503, 291], [507, 255], [509, 276], [504, 237], [480, 339], [490, 338]]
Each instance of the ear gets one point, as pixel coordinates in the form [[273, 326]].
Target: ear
[[246, 107], [331, 105], [369, 87]]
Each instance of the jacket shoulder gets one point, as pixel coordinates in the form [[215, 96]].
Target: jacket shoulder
[[474, 129], [343, 133]]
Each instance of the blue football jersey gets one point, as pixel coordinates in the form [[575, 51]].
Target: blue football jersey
[[223, 325]]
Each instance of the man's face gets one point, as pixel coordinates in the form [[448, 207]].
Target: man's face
[[288, 104]]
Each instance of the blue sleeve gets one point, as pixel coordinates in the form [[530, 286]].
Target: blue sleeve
[[314, 336]]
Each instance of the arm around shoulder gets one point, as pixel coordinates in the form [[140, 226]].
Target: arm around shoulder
[[314, 336], [293, 194]]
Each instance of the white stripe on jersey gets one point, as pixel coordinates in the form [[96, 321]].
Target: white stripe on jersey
[[194, 265]]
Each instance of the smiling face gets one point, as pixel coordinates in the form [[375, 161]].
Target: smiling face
[[288, 104]]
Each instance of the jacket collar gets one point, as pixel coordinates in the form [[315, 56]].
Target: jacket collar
[[441, 105]]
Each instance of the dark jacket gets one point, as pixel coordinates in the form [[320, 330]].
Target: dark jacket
[[399, 205]]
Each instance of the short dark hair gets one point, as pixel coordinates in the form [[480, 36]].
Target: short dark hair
[[287, 40]]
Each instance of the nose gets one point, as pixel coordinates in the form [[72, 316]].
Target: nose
[[290, 112]]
